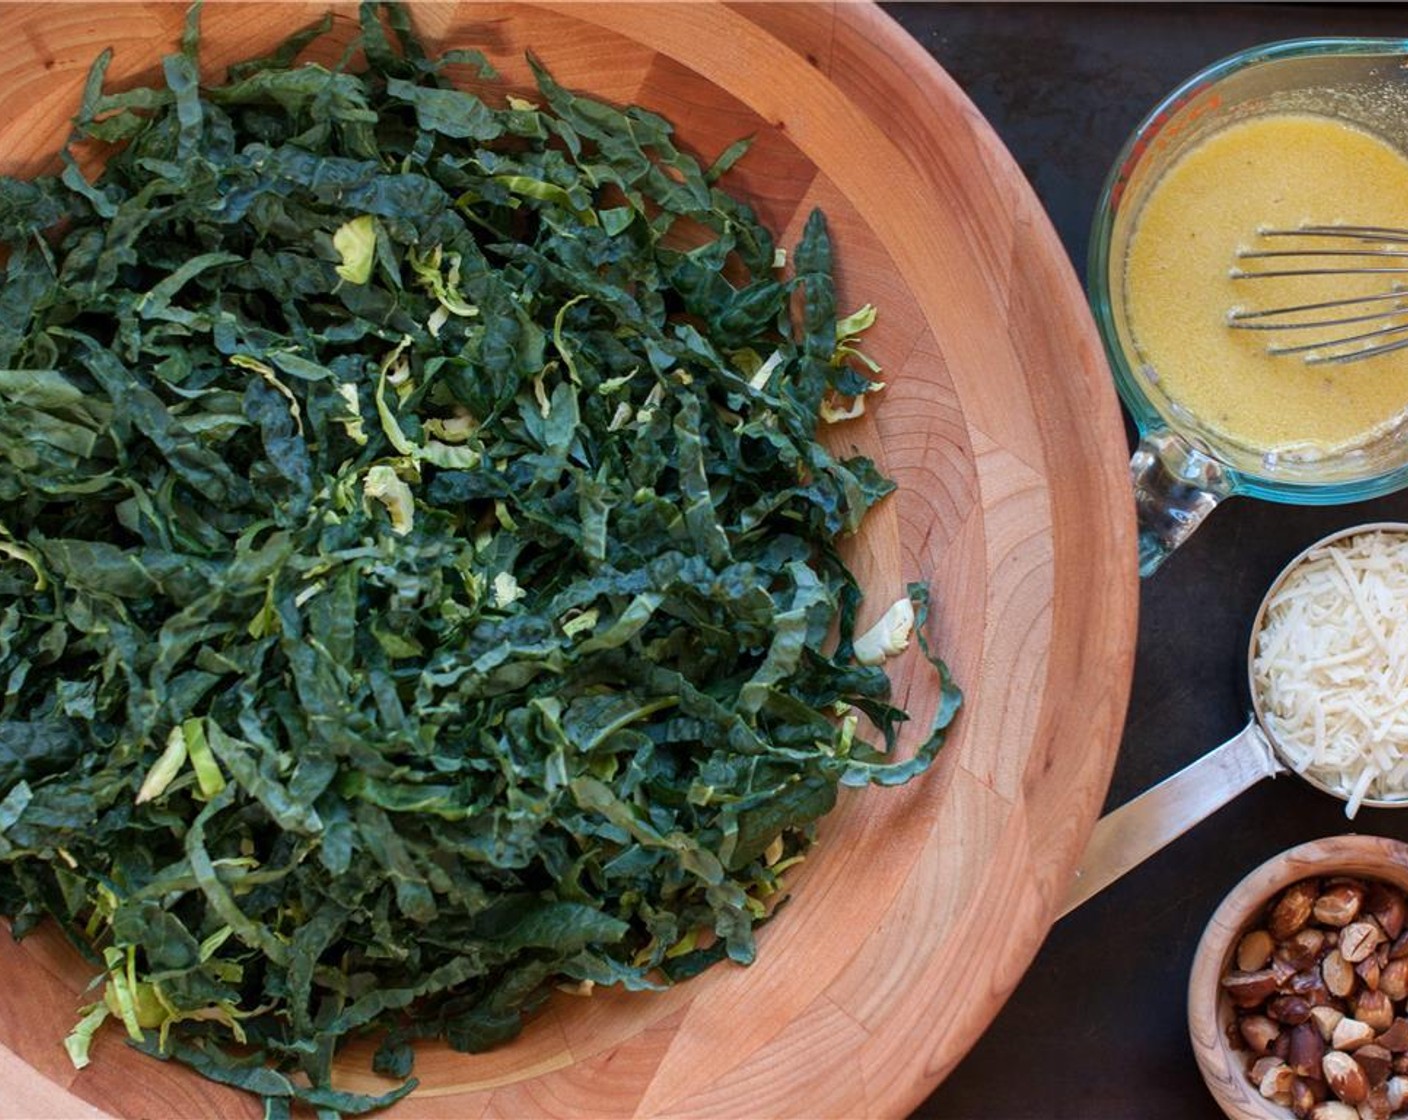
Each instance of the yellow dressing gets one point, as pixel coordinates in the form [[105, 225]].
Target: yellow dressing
[[1281, 171]]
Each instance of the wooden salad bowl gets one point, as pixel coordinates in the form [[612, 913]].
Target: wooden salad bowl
[[921, 906]]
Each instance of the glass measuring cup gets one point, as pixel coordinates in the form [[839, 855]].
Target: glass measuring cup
[[1127, 836], [1181, 468]]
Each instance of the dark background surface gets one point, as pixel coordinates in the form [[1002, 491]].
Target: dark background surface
[[1097, 1029]]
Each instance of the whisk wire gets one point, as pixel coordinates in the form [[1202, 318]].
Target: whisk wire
[[1239, 316], [1355, 355], [1363, 233], [1400, 328], [1267, 273], [1262, 254], [1339, 348]]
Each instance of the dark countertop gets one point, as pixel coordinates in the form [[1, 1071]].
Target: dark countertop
[[1097, 1029]]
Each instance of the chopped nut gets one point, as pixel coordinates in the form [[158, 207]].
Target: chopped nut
[[1284, 971], [1248, 989], [1345, 1078], [1293, 909], [1310, 986], [1290, 1010], [1312, 939], [1388, 907], [1357, 940], [1369, 970], [1261, 1066], [1399, 949], [1400, 1064], [1393, 979], [1349, 1034], [1275, 1084], [1254, 950], [1375, 1106], [1326, 1019], [1306, 1093], [1302, 950], [1397, 1090], [1260, 1033], [1339, 905], [1333, 1110], [1375, 1061], [1395, 1039], [1374, 1009], [1337, 972], [1306, 1051]]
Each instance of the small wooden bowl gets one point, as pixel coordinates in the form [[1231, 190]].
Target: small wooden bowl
[[1210, 1012]]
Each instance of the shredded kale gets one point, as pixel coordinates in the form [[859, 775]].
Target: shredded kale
[[417, 560]]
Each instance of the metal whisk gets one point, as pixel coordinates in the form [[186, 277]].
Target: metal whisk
[[1383, 314]]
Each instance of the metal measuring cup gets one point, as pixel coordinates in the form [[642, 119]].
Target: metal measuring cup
[[1127, 836]]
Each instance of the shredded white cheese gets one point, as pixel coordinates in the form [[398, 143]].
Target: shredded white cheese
[[1331, 665]]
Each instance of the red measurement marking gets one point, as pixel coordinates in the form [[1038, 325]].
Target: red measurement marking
[[1160, 131]]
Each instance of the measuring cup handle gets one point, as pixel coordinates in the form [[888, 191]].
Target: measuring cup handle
[[1175, 487], [1127, 836]]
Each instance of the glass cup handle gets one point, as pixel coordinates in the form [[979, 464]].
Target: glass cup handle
[[1175, 487]]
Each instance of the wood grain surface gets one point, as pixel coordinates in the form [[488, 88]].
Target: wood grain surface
[[1209, 1012], [922, 906]]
